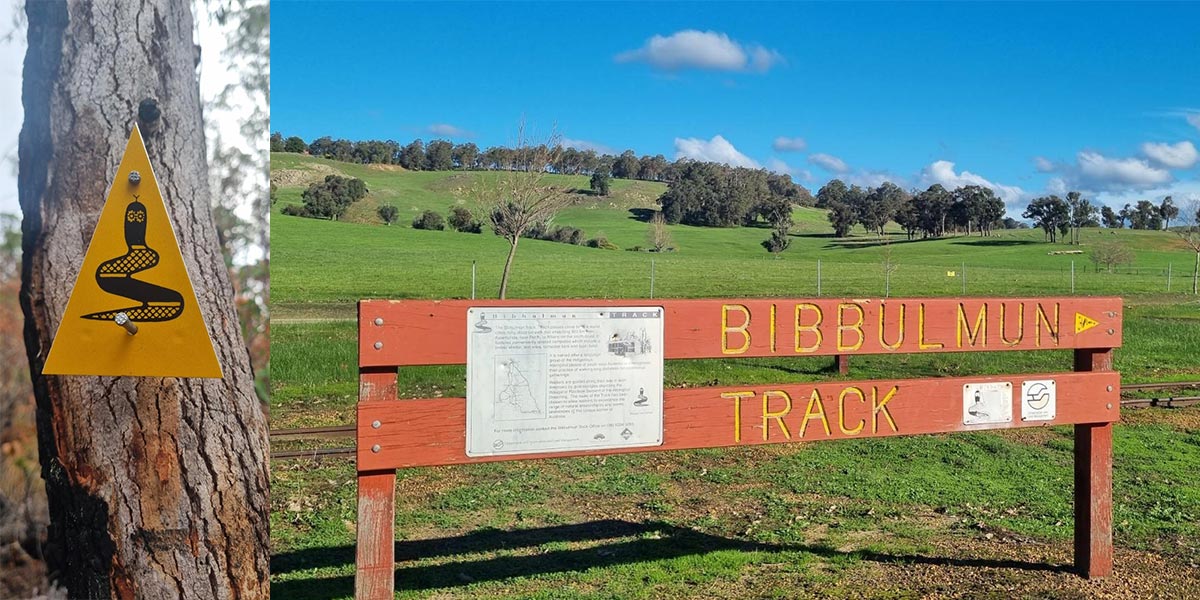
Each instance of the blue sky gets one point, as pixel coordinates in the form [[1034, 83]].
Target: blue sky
[[1025, 98]]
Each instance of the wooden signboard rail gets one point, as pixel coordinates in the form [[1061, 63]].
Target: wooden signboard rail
[[394, 433]]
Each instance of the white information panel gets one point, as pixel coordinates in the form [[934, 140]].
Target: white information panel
[[563, 379], [987, 403], [1038, 400]]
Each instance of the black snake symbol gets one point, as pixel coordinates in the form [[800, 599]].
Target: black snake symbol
[[115, 276]]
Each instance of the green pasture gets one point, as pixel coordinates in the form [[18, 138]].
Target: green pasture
[[795, 520], [322, 267]]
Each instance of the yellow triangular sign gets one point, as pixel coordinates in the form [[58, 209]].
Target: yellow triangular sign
[[133, 272], [1084, 323]]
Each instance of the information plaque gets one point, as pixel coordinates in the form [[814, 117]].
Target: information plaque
[[563, 379]]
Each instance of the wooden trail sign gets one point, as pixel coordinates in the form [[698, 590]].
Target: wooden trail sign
[[395, 433], [133, 311]]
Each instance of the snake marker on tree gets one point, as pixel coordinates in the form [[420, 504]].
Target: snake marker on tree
[[133, 275]]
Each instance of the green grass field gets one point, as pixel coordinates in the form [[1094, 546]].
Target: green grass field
[[321, 266], [913, 516]]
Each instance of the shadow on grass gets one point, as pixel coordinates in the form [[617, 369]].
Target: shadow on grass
[[642, 214], [656, 541], [854, 243], [994, 243], [583, 192]]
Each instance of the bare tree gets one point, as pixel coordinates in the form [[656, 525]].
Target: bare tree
[[1111, 255], [157, 487], [887, 264], [518, 199], [1190, 234], [658, 236]]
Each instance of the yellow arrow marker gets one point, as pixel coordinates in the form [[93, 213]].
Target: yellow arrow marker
[[1084, 323], [132, 311]]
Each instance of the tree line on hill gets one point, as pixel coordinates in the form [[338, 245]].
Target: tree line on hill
[[931, 213], [442, 155], [969, 209]]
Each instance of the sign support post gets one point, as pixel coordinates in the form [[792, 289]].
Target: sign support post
[[375, 552], [1093, 482]]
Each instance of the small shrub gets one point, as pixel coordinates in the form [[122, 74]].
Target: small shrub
[[636, 249], [388, 213], [602, 242], [537, 231], [600, 183], [429, 220], [778, 242], [296, 210], [566, 235], [462, 220]]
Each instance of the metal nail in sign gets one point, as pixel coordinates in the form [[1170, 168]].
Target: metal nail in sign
[[132, 311]]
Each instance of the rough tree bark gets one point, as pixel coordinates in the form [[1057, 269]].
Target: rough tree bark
[[157, 486]]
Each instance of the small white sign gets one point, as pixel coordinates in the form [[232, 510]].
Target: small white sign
[[1038, 400], [987, 403], [563, 379]]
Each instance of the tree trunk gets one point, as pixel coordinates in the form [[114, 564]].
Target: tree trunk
[[1196, 275], [512, 251], [157, 487]]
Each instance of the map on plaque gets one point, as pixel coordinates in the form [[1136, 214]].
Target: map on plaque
[[563, 379]]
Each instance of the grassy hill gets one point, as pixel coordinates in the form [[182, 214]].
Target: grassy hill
[[322, 265]]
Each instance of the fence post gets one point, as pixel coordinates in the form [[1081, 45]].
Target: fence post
[[1072, 277], [374, 576], [472, 280], [652, 279], [1093, 479], [1168, 278], [818, 278], [964, 278]]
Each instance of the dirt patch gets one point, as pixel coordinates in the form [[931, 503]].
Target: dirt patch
[[1184, 419], [386, 168], [972, 568], [1033, 436], [302, 176]]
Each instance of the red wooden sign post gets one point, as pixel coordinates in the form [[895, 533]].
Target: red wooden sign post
[[396, 433]]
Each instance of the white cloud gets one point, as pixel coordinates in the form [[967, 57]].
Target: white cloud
[[1093, 172], [789, 144], [873, 179], [1097, 172], [448, 130], [1172, 156], [828, 162], [1044, 165], [718, 150], [586, 145], [778, 166], [942, 172], [1184, 194], [1056, 186], [694, 49], [1193, 119]]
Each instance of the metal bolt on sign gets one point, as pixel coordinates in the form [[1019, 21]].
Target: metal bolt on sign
[[122, 319]]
